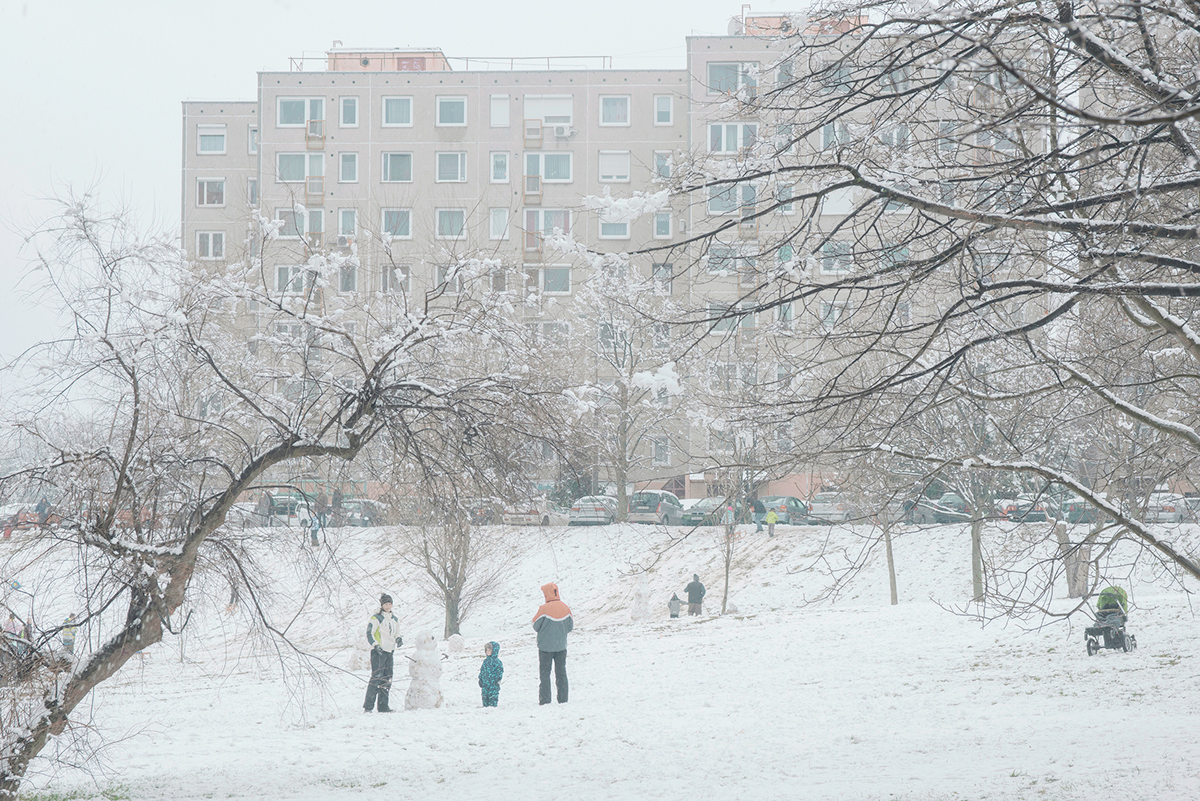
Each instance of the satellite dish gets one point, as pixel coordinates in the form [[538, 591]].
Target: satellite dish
[[735, 26]]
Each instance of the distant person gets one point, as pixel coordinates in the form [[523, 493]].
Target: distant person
[[322, 508], [759, 510], [67, 633], [552, 623], [490, 674], [43, 511], [383, 635], [695, 594], [772, 519], [13, 627], [336, 508], [728, 520], [262, 509], [315, 529], [674, 605]]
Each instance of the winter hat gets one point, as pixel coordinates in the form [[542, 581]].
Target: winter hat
[[695, 577], [385, 599]]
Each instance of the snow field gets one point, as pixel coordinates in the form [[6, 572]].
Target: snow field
[[843, 699]]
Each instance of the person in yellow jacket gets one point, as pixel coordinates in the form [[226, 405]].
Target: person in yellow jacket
[[772, 519]]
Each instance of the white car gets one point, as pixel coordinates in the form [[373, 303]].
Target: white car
[[538, 512], [1165, 507], [593, 510], [831, 507]]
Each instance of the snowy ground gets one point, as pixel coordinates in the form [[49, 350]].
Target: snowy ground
[[849, 699]]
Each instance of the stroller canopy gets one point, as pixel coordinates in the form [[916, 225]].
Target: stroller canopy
[[1113, 599]]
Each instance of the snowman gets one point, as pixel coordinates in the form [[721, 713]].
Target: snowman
[[426, 670]]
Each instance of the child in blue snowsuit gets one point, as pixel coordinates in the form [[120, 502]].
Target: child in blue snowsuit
[[490, 673]]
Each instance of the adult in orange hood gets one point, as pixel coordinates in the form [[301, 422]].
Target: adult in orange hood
[[552, 623]]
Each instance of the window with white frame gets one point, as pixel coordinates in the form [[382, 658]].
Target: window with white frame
[[661, 450], [784, 72], [347, 222], [298, 167], [210, 245], [396, 223], [349, 112], [662, 274], [252, 191], [290, 278], [736, 199], [451, 167], [835, 258], [948, 135], [727, 77], [832, 312], [784, 255], [499, 168], [314, 221], [348, 278], [664, 110], [895, 136], [210, 140], [660, 336], [662, 225], [719, 318], [397, 168], [348, 168], [498, 223], [449, 278], [297, 112], [210, 191], [550, 168], [540, 223], [783, 197], [834, 134], [451, 110], [662, 164], [730, 259], [397, 112], [394, 278], [614, 109], [783, 315], [499, 111], [614, 230], [614, 165], [451, 223], [550, 109], [552, 279], [252, 139], [731, 137]]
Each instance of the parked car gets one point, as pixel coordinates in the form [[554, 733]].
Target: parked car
[[1191, 510], [791, 510], [1032, 509], [832, 507], [950, 508], [289, 509], [363, 512], [710, 511], [1165, 507], [481, 511], [538, 512], [1077, 510], [655, 506], [593, 510]]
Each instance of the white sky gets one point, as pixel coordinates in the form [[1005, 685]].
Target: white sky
[[93, 87]]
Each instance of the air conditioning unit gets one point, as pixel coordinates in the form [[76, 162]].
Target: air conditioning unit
[[344, 242], [563, 131]]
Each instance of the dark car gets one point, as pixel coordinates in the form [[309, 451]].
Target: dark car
[[710, 511], [1078, 510], [950, 508], [790, 510], [1031, 509]]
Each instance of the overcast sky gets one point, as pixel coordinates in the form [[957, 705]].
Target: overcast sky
[[93, 87]]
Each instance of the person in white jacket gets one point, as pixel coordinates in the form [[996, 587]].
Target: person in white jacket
[[383, 635]]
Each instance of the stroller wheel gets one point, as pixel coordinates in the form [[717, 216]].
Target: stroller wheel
[[1126, 643], [1133, 640], [1091, 646]]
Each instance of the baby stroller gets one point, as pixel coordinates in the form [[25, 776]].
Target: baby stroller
[[1112, 608]]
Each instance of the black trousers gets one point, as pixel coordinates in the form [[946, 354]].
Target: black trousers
[[381, 680], [559, 660]]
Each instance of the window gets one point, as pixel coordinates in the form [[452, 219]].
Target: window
[[451, 167], [394, 278], [252, 139], [348, 278], [289, 279], [497, 223], [895, 136], [499, 111], [297, 112], [210, 139], [550, 109], [614, 165], [252, 191], [614, 230], [720, 320], [783, 315], [347, 222], [210, 192], [662, 225], [451, 111], [315, 221], [296, 167], [614, 109], [451, 223], [348, 168], [731, 200], [210, 245], [397, 167], [397, 223], [947, 135], [835, 258], [834, 134], [540, 223], [663, 110], [550, 168], [397, 112], [731, 137], [728, 259], [784, 255], [554, 280], [661, 274], [662, 164], [784, 72], [660, 336], [661, 450], [727, 77], [449, 279], [499, 168], [349, 115], [832, 312], [783, 196]]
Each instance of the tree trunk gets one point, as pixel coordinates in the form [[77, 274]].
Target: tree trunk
[[452, 599], [1076, 562], [891, 564], [977, 558]]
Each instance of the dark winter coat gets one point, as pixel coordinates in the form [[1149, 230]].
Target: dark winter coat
[[553, 621], [492, 670], [695, 591]]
